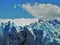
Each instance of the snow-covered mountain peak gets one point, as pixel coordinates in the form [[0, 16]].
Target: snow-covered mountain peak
[[50, 28]]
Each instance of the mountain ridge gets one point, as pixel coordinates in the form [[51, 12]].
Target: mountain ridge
[[48, 30]]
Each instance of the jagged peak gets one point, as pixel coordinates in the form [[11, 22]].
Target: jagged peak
[[41, 24]]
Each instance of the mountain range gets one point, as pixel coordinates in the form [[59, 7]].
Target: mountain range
[[38, 32]]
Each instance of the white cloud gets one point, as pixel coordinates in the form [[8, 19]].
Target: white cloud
[[42, 10], [19, 22]]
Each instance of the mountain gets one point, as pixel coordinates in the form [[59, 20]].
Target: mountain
[[41, 32]]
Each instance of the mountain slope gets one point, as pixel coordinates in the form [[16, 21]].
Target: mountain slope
[[43, 31]]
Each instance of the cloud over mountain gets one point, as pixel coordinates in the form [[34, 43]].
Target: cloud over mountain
[[42, 10], [19, 22]]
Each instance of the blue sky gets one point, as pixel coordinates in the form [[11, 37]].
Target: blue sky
[[7, 10]]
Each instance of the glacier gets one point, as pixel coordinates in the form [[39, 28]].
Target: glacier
[[40, 31]]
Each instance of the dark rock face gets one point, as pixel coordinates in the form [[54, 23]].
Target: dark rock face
[[29, 39], [39, 36]]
